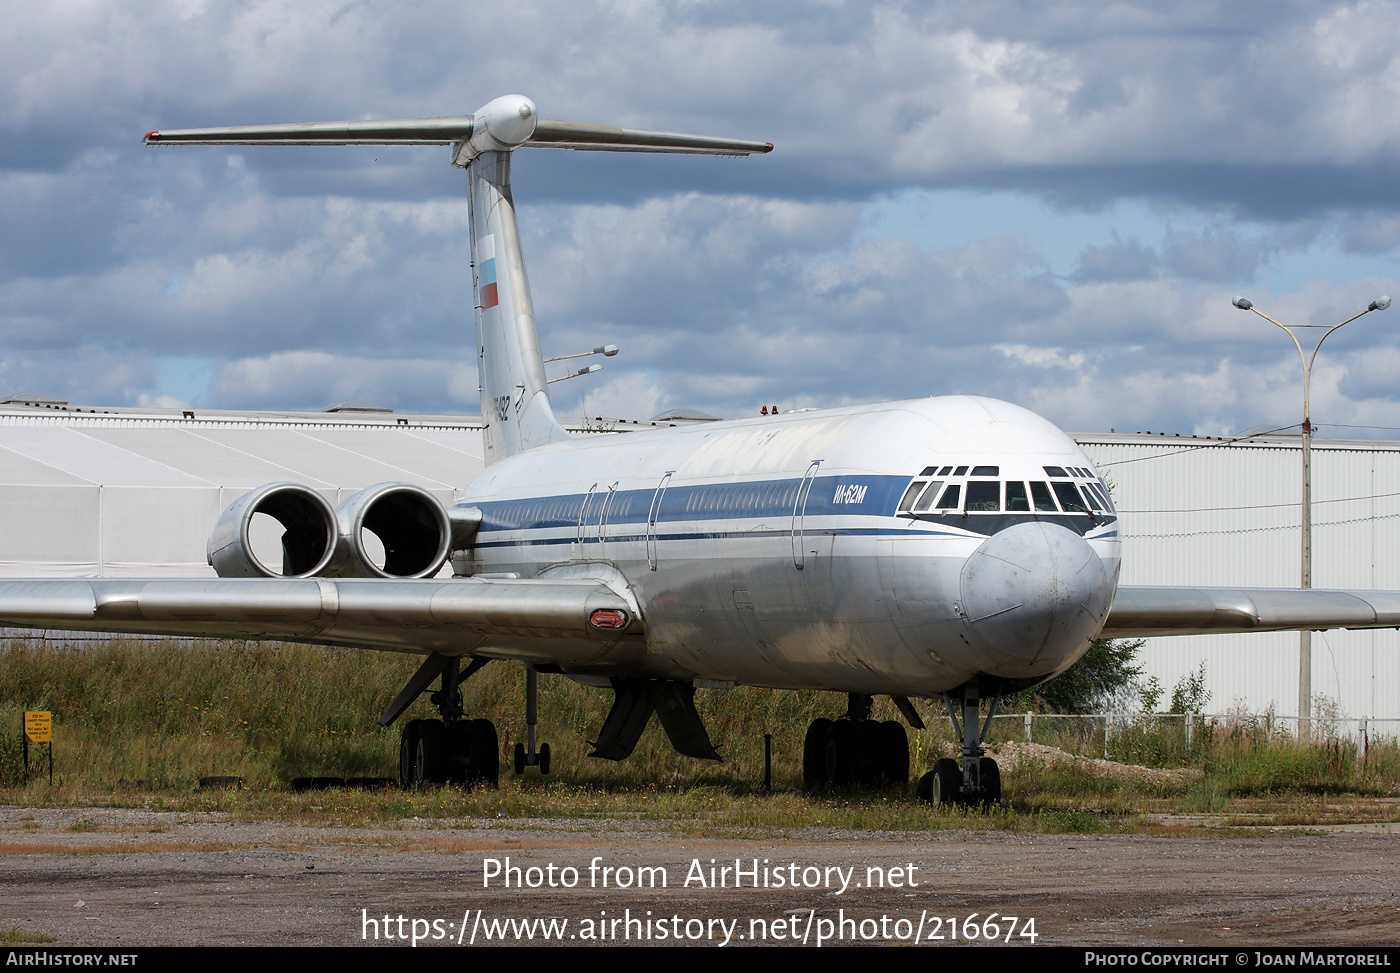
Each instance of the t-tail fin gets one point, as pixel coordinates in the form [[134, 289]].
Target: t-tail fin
[[515, 403]]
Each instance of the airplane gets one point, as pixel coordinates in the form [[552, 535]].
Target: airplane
[[951, 548]]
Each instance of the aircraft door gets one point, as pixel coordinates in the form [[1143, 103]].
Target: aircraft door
[[607, 508], [653, 515], [588, 502], [799, 510]]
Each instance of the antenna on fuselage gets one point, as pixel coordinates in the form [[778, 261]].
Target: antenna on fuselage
[[508, 352]]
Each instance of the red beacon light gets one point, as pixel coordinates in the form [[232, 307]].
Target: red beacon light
[[608, 618]]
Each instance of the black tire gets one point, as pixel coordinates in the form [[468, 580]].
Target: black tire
[[519, 758], [457, 752], [870, 754], [814, 753], [485, 754], [925, 788], [842, 752], [947, 783], [408, 754], [895, 751], [544, 758], [990, 775], [429, 764]]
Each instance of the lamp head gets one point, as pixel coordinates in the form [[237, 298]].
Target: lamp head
[[1243, 303]]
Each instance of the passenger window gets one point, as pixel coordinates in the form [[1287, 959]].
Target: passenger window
[[1069, 498], [1040, 493], [1016, 499], [951, 498], [983, 496], [927, 499], [910, 495]]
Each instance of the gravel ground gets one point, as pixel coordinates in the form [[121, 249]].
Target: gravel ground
[[116, 877]]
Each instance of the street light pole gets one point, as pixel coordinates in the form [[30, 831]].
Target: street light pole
[[1305, 637]]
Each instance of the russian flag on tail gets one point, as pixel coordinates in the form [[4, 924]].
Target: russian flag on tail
[[486, 271]]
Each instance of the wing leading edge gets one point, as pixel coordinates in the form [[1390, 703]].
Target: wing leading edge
[[1144, 610], [451, 617]]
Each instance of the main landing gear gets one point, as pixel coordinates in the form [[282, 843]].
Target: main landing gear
[[975, 779], [856, 749], [451, 749]]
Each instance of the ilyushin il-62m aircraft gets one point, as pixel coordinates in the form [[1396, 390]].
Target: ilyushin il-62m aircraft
[[953, 548]]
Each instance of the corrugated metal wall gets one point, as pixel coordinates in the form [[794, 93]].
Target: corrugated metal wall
[[1213, 512]]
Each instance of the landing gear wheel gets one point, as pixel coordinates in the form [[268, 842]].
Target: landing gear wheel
[[870, 754], [520, 758], [947, 782], [544, 758], [925, 788], [842, 753], [485, 753], [408, 754], [894, 753], [429, 763], [990, 776], [814, 753]]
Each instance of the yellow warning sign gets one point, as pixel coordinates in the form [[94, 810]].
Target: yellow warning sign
[[38, 726]]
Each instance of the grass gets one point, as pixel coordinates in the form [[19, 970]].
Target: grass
[[15, 936], [139, 723]]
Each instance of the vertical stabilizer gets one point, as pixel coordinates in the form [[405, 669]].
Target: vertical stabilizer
[[514, 400]]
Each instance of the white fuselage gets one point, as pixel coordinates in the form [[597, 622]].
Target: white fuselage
[[774, 552]]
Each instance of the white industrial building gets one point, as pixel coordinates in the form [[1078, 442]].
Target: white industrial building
[[135, 492]]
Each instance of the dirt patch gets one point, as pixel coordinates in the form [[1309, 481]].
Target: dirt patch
[[217, 881]]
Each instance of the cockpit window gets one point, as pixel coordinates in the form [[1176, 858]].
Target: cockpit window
[[986, 471], [951, 497], [983, 496], [929, 471], [1040, 492], [1054, 471], [1069, 498], [960, 471], [927, 499], [910, 495], [1016, 499], [945, 471]]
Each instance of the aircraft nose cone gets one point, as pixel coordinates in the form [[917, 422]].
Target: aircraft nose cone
[[1033, 595]]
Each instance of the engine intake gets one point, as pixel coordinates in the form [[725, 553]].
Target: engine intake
[[308, 533], [410, 523]]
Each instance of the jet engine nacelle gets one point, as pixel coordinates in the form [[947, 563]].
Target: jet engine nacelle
[[308, 533], [410, 523]]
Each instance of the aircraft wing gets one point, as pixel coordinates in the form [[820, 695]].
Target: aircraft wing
[[420, 616], [1142, 610]]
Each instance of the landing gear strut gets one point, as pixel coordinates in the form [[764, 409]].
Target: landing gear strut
[[451, 749], [531, 758], [975, 779], [855, 749]]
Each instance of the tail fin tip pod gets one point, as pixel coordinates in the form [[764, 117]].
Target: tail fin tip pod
[[515, 403]]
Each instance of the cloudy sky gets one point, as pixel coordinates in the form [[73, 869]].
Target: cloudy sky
[[1048, 202]]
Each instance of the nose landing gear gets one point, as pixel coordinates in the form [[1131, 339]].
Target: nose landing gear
[[975, 779]]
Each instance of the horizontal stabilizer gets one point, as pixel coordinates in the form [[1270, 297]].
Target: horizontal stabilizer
[[403, 131], [569, 135], [505, 123], [1140, 611]]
